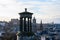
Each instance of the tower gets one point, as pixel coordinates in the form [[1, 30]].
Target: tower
[[41, 26], [25, 15], [25, 27], [34, 20], [34, 28]]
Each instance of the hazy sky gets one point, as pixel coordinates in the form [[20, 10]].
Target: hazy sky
[[47, 10]]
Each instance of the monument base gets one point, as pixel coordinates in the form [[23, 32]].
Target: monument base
[[25, 38]]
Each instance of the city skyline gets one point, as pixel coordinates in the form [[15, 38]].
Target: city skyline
[[47, 10]]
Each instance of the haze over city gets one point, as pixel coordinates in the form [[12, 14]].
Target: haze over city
[[47, 10]]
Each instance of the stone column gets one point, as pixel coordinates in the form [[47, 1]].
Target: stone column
[[21, 24], [25, 24], [18, 37], [28, 25]]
